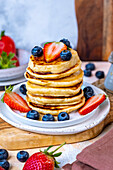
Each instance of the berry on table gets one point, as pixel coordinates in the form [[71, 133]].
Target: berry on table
[[65, 55], [33, 114], [37, 51], [23, 89], [100, 74], [63, 116], [3, 154], [87, 73], [88, 92], [22, 156], [90, 66], [4, 164], [48, 117], [66, 42]]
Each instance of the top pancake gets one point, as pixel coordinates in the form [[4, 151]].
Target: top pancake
[[39, 65]]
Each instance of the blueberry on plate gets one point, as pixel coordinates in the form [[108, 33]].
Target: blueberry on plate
[[87, 73], [23, 89], [88, 92], [33, 114], [65, 55], [90, 66], [63, 116], [66, 42], [3, 154], [4, 164], [22, 156], [37, 51], [48, 117], [100, 74]]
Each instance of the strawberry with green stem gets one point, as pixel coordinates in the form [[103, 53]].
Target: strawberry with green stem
[[43, 160]]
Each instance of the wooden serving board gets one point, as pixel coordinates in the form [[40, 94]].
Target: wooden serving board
[[12, 138]]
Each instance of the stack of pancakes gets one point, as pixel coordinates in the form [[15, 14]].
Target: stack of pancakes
[[56, 86]]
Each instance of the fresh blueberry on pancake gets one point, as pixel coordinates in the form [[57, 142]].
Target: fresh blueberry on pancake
[[63, 116], [90, 66], [66, 42], [100, 74], [4, 164], [88, 92], [87, 73], [23, 89], [65, 55], [37, 51], [33, 114], [48, 117], [3, 154], [22, 156]]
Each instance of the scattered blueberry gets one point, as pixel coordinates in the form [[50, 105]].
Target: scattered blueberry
[[3, 154], [48, 117], [33, 114], [4, 164], [88, 92], [87, 73], [90, 66], [23, 89], [66, 42], [65, 55], [100, 74], [37, 51], [22, 156], [63, 116]]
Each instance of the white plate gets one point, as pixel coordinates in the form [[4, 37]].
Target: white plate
[[75, 125], [16, 72]]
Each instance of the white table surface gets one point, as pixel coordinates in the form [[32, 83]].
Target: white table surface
[[69, 149]]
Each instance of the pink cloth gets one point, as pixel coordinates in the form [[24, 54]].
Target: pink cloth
[[98, 155]]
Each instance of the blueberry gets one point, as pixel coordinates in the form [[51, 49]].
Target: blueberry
[[33, 114], [66, 42], [3, 154], [100, 74], [37, 51], [22, 156], [65, 55], [4, 164], [63, 116], [88, 92], [87, 73], [23, 89], [90, 66], [48, 117]]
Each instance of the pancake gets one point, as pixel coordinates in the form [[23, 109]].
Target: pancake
[[38, 64], [56, 110], [72, 80], [54, 100], [51, 91], [72, 70]]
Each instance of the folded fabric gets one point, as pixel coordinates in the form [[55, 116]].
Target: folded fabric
[[98, 155]]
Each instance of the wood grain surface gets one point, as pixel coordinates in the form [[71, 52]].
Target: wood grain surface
[[12, 138], [95, 29]]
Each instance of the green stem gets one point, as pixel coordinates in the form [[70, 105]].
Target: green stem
[[2, 34], [57, 148]]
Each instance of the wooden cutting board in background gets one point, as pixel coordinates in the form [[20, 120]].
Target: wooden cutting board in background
[[12, 138]]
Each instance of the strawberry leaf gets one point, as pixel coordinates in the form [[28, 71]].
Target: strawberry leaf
[[2, 34], [57, 154], [48, 43], [7, 90]]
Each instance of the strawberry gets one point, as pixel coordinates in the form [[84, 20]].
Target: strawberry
[[17, 61], [43, 160], [14, 100], [92, 103], [1, 168], [52, 50]]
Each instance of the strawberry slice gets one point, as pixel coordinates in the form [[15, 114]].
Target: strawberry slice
[[14, 100], [92, 103], [52, 50]]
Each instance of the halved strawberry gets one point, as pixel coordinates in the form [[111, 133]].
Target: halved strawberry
[[52, 50], [92, 103], [14, 100]]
